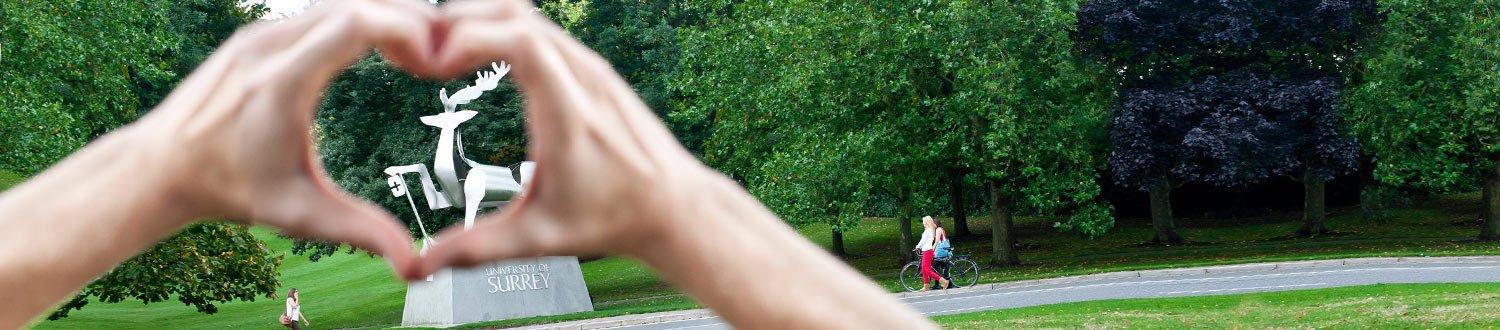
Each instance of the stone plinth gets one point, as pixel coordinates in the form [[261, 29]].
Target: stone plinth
[[500, 290]]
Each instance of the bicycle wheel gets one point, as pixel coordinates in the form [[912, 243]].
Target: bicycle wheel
[[965, 273], [911, 276]]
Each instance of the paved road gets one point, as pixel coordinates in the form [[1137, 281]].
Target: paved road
[[1177, 283]]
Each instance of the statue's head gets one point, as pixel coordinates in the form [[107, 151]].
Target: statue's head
[[448, 120]]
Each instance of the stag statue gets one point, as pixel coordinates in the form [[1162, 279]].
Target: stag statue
[[481, 185]]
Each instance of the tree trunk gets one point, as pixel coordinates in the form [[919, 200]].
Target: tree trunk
[[1371, 203], [1161, 215], [1312, 206], [1002, 231], [956, 198], [1491, 229], [838, 244], [903, 220], [1237, 208]]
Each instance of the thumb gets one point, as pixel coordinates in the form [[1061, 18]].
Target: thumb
[[331, 214], [512, 234]]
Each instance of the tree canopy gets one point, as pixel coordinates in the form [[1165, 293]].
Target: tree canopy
[[1227, 92], [69, 72], [72, 71], [837, 87], [1028, 114], [205, 264], [822, 107], [1427, 107]]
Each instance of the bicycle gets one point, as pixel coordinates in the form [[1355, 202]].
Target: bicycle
[[959, 269]]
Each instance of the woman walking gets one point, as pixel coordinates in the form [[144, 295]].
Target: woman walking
[[294, 309], [926, 245]]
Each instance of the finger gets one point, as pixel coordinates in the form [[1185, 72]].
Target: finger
[[317, 210], [507, 30], [560, 109], [488, 10], [511, 234], [341, 36], [270, 36], [366, 226], [587, 67], [538, 69], [415, 56], [522, 12]]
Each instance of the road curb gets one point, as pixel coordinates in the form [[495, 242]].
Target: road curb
[[1204, 270], [641, 319], [623, 320]]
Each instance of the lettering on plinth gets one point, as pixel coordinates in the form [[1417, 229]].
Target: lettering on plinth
[[518, 278]]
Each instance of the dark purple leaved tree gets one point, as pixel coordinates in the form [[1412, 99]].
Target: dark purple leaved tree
[[1226, 92]]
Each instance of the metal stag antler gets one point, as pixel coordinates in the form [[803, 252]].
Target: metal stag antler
[[483, 186], [487, 81]]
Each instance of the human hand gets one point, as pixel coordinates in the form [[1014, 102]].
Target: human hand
[[608, 172], [609, 177], [235, 137]]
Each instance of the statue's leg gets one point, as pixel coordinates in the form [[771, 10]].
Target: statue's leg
[[474, 185]]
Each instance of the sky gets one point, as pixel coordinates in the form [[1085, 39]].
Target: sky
[[283, 8]]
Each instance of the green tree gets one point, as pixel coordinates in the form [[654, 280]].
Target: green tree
[[795, 80], [1428, 109], [206, 263], [1028, 114], [822, 107], [75, 69], [69, 70], [72, 71], [639, 38], [197, 28], [811, 185]]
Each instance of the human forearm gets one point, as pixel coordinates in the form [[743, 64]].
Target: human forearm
[[739, 259], [78, 219]]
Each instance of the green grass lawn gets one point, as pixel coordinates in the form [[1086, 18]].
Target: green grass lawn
[[8, 179], [338, 291], [1381, 306], [356, 291]]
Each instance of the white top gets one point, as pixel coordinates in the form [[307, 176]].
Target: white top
[[293, 310], [927, 240]]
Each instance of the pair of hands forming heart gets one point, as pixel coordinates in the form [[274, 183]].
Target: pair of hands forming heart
[[234, 141], [239, 128]]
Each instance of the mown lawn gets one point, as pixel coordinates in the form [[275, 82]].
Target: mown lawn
[[351, 291], [358, 291], [339, 291], [8, 179], [1381, 306]]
